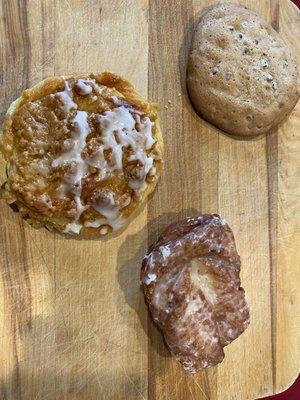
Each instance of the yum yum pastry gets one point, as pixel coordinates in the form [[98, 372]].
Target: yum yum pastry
[[191, 283]]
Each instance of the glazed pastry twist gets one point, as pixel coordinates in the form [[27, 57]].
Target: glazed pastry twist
[[191, 283]]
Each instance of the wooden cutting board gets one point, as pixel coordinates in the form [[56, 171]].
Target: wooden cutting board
[[73, 323]]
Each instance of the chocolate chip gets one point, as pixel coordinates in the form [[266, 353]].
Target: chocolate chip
[[240, 35], [231, 28], [228, 76], [274, 85], [214, 70], [256, 41]]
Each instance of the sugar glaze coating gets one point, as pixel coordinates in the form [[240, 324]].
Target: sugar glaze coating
[[191, 283]]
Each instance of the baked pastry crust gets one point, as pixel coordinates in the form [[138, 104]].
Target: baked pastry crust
[[241, 76], [82, 153], [191, 282]]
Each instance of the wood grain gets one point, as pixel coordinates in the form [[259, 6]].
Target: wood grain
[[73, 321], [71, 309]]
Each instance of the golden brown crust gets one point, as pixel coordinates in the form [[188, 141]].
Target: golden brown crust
[[91, 137], [241, 76], [191, 283]]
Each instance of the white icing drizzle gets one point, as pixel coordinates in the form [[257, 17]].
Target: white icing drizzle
[[147, 131], [83, 88], [111, 215], [73, 227], [118, 128], [66, 97], [150, 278], [110, 212], [139, 185], [81, 130], [152, 171]]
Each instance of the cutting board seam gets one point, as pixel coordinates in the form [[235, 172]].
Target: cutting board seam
[[272, 175]]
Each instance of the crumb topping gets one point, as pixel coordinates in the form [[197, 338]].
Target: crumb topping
[[82, 154]]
